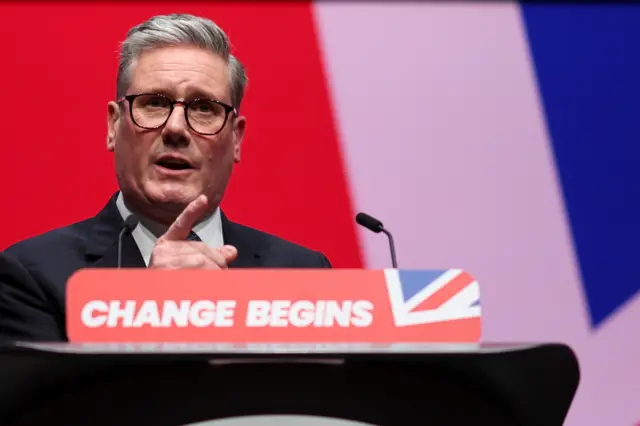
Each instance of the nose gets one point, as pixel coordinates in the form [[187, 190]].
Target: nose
[[176, 129]]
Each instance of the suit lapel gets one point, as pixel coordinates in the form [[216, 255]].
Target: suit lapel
[[250, 253], [102, 245], [131, 257]]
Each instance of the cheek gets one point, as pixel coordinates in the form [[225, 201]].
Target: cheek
[[133, 151], [218, 152]]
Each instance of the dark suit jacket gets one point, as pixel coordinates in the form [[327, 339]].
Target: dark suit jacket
[[34, 272]]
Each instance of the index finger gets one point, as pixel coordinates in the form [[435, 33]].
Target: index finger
[[181, 227]]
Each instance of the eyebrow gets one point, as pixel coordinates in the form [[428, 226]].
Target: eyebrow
[[196, 94]]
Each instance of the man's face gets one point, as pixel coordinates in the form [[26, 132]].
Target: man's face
[[180, 73]]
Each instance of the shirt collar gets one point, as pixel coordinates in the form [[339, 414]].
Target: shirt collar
[[147, 232]]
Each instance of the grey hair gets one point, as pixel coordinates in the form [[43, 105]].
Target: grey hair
[[179, 29]]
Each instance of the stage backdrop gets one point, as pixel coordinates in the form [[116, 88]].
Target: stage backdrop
[[492, 137]]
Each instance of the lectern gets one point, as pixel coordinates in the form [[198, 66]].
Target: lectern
[[384, 385], [387, 348]]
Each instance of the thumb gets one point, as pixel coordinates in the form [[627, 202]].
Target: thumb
[[229, 252]]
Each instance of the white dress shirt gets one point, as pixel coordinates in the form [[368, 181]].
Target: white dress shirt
[[147, 232]]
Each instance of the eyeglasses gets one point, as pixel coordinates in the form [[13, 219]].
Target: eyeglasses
[[152, 110]]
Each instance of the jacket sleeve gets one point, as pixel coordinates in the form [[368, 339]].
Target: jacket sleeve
[[25, 313]]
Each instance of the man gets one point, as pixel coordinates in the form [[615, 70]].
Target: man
[[176, 132]]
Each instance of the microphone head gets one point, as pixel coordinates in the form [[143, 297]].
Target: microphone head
[[371, 223], [130, 222]]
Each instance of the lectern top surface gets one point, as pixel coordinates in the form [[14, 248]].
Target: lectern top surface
[[270, 348]]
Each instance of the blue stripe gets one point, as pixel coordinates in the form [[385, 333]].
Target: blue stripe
[[413, 281], [587, 62]]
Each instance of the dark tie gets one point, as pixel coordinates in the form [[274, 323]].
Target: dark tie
[[193, 237]]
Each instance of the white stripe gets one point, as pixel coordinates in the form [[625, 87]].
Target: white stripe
[[463, 299], [396, 298]]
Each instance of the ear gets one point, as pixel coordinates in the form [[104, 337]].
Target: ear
[[113, 118], [238, 136]]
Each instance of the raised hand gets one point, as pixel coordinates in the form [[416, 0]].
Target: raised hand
[[174, 251]]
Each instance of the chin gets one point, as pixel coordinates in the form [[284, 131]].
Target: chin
[[171, 193]]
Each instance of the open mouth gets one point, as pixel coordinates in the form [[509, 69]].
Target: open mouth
[[174, 164]]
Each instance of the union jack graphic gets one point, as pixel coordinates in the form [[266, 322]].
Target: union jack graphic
[[421, 297]]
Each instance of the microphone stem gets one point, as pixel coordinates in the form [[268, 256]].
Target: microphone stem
[[122, 232], [392, 248]]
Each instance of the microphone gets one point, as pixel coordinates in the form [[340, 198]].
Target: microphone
[[129, 224], [374, 225]]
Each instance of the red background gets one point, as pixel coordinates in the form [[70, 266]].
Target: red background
[[59, 71]]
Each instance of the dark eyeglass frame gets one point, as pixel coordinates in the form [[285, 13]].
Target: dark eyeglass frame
[[228, 109]]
